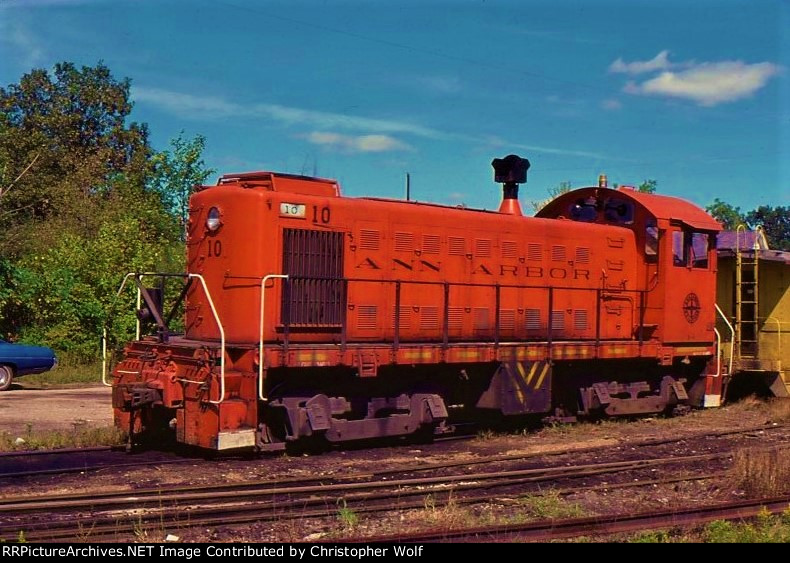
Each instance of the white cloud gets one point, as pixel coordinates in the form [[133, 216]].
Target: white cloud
[[709, 84], [659, 62], [190, 106], [362, 143], [207, 107]]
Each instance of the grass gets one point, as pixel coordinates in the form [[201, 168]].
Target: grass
[[347, 517], [550, 505], [454, 514], [77, 437], [64, 375], [766, 528], [762, 472]]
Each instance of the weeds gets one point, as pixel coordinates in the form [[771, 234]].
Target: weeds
[[765, 529], [65, 374], [77, 437], [447, 515], [348, 518], [550, 505], [762, 472]]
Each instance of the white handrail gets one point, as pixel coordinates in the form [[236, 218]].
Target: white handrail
[[104, 358], [221, 335], [260, 332], [732, 334], [104, 330], [718, 352]]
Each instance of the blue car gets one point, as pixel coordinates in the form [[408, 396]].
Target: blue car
[[21, 359]]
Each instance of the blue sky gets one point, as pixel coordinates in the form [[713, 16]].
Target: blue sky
[[692, 94]]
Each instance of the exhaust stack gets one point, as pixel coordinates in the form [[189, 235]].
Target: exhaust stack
[[510, 172]]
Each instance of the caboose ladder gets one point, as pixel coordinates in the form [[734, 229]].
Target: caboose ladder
[[746, 302]]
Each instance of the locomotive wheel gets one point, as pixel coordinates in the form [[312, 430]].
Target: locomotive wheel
[[6, 377]]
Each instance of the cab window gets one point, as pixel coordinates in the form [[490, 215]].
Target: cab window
[[584, 210], [619, 211], [651, 242], [699, 250], [678, 248]]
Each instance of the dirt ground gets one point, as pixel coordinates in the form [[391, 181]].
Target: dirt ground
[[54, 409], [554, 445]]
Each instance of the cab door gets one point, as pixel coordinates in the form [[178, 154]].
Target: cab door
[[690, 275]]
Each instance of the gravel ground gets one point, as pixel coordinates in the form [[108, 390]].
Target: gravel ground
[[611, 441]]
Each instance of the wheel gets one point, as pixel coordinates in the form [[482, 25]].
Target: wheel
[[6, 376]]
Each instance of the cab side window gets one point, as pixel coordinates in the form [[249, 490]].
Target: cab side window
[[699, 250], [679, 257], [651, 242]]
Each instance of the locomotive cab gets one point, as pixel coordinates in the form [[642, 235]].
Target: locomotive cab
[[676, 270]]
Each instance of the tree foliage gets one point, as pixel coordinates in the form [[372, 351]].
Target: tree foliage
[[648, 187], [775, 222], [730, 217], [84, 200], [177, 172], [556, 191]]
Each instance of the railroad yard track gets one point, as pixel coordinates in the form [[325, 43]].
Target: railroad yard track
[[553, 529], [24, 463], [120, 513]]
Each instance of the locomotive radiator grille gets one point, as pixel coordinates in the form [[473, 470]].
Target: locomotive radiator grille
[[314, 262]]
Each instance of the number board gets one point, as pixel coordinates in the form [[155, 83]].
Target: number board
[[296, 210]]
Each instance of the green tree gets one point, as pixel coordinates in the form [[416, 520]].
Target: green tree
[[177, 172], [77, 208], [555, 192], [775, 222], [647, 187], [730, 217], [72, 127]]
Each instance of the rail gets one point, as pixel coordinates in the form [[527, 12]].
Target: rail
[[778, 335], [732, 337], [265, 279], [221, 336], [137, 324], [162, 323], [636, 299]]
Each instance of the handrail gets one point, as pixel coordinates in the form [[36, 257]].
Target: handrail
[[137, 324], [778, 335], [104, 358], [718, 351], [732, 333], [221, 335], [260, 344], [213, 312], [738, 229]]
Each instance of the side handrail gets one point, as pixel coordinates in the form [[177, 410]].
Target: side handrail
[[778, 335], [738, 229], [221, 336], [137, 324], [260, 332], [732, 334], [718, 352]]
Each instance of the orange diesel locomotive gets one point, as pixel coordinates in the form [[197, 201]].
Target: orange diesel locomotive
[[310, 314]]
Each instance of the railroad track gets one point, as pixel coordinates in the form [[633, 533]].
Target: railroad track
[[80, 460], [114, 513], [14, 465], [546, 530]]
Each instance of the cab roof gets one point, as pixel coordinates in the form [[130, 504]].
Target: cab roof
[[659, 206]]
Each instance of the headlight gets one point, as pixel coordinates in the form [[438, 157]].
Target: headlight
[[212, 220]]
